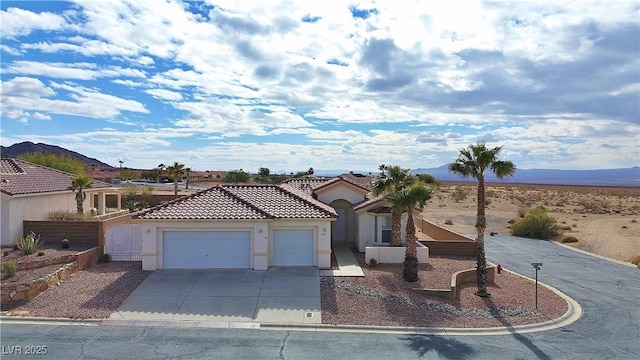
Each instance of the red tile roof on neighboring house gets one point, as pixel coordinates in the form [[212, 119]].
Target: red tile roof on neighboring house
[[235, 202], [20, 177], [307, 184]]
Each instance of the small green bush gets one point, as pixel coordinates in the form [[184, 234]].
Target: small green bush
[[373, 262], [10, 268], [568, 239], [30, 243], [537, 225]]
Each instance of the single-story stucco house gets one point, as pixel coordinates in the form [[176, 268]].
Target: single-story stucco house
[[257, 226], [29, 192]]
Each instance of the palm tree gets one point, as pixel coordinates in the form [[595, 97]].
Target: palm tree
[[176, 171], [159, 171], [476, 161], [390, 180], [78, 185], [408, 199], [187, 171]]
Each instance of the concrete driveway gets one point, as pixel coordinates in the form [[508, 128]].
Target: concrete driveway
[[283, 295]]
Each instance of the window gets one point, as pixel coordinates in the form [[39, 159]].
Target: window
[[386, 229]]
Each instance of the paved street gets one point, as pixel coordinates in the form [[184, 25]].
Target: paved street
[[609, 294], [609, 329]]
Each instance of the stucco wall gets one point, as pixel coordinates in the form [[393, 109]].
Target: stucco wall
[[340, 192], [367, 231], [18, 208], [260, 245]]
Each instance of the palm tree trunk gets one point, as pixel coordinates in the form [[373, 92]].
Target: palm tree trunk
[[79, 201], [411, 253], [481, 225], [396, 227], [175, 186]]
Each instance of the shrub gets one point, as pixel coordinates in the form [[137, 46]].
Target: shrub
[[5, 253], [10, 268], [522, 212], [373, 262], [448, 222], [568, 239], [636, 260], [30, 243], [537, 224], [64, 243], [459, 193], [58, 215]]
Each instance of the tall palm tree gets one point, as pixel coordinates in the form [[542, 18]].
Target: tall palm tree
[[408, 199], [476, 161], [391, 179], [161, 167], [78, 185], [176, 171], [187, 171]]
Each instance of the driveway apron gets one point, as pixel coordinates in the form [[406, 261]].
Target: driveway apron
[[282, 295]]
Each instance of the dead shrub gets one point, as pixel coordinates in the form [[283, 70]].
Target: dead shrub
[[448, 222]]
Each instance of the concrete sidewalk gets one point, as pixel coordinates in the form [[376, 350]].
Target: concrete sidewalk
[[347, 263], [283, 295]]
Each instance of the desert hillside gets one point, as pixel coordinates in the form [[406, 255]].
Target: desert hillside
[[603, 219]]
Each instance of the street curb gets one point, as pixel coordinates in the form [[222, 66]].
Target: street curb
[[573, 313]]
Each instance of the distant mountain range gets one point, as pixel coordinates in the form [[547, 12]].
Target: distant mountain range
[[600, 177], [18, 149]]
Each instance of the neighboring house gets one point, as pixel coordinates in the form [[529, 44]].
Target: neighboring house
[[106, 176], [30, 192], [257, 226]]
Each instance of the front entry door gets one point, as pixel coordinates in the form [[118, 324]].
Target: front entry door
[[339, 227]]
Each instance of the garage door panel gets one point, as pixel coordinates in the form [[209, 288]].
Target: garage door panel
[[293, 247], [206, 249]]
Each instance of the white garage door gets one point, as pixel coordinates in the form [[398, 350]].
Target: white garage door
[[206, 249], [293, 247]]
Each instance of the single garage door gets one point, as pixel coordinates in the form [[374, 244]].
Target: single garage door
[[206, 249], [293, 247]]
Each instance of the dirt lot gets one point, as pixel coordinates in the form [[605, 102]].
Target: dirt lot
[[605, 220]]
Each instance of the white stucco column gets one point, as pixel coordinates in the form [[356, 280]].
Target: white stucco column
[[324, 245], [149, 247], [261, 246], [102, 203]]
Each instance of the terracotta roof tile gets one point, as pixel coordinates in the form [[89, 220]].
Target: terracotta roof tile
[[235, 202], [21, 177]]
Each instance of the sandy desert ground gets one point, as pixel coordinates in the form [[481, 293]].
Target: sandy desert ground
[[605, 220]]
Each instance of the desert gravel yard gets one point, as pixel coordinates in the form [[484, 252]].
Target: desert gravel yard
[[380, 298], [91, 293]]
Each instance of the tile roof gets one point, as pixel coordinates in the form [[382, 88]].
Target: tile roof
[[21, 177], [307, 185], [236, 202], [368, 202], [311, 184]]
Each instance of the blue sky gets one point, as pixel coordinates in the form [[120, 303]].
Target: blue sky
[[221, 85]]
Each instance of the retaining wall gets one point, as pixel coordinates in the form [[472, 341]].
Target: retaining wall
[[29, 289]]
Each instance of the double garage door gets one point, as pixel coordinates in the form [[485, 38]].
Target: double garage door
[[232, 249], [206, 249]]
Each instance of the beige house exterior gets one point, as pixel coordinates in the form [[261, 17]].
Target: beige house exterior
[[29, 192]]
